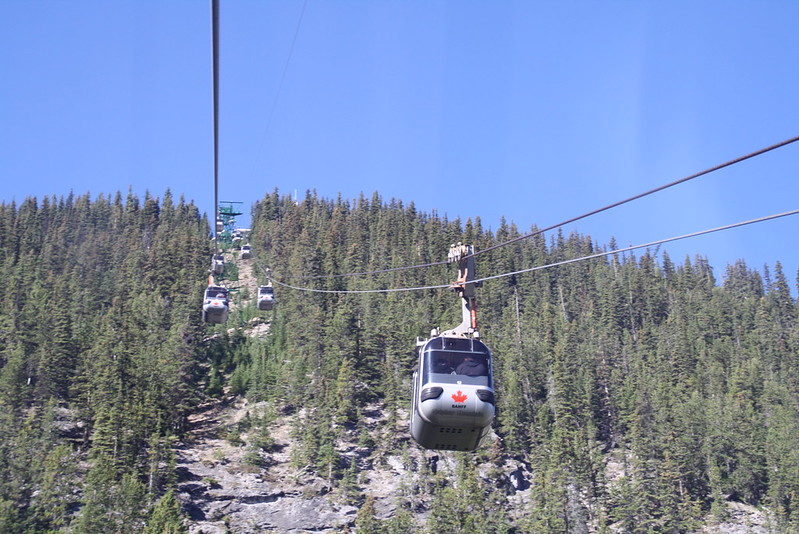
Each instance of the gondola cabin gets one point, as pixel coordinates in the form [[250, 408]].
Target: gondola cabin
[[246, 252], [266, 298], [215, 305], [218, 264], [453, 394]]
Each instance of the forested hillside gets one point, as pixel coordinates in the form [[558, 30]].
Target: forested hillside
[[100, 337], [639, 394]]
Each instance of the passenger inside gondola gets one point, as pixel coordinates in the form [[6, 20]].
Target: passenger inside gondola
[[453, 366], [442, 366], [471, 366]]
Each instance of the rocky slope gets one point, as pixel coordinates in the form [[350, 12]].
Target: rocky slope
[[223, 493]]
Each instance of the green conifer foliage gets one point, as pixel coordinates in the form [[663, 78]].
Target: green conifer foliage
[[97, 334], [166, 517], [365, 520], [639, 394]]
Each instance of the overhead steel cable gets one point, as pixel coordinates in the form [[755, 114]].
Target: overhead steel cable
[[281, 82], [215, 39], [550, 265], [285, 69], [646, 193], [569, 221], [646, 245], [363, 273]]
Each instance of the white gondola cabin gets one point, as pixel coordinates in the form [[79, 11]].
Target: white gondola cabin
[[266, 298], [453, 403], [218, 264], [216, 305], [453, 394]]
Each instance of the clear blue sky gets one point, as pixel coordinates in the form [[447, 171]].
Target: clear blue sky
[[533, 110]]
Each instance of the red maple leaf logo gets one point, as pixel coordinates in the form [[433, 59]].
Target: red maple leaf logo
[[459, 396]]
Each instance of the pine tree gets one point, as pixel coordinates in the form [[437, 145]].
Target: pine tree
[[365, 520], [98, 501], [166, 517], [345, 393], [50, 507]]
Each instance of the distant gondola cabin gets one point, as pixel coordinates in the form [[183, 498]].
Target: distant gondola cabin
[[216, 305], [266, 298], [218, 264]]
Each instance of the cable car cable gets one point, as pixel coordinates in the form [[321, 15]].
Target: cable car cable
[[215, 32], [645, 245], [646, 193], [573, 219], [285, 69], [548, 266], [216, 307]]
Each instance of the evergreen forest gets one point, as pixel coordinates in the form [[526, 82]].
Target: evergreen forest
[[643, 394]]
